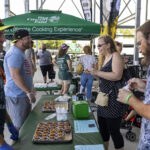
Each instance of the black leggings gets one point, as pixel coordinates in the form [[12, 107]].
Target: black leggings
[[107, 127]]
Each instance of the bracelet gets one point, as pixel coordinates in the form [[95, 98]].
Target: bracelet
[[9, 122], [127, 99]]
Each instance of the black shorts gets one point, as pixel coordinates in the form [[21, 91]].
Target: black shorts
[[49, 69]]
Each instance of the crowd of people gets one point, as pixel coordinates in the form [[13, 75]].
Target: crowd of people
[[19, 93]]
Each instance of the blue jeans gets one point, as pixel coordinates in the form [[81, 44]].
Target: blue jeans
[[87, 79]]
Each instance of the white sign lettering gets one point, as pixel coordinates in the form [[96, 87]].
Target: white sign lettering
[[41, 19], [36, 29]]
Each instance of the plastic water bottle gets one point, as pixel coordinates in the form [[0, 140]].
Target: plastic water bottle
[[127, 87]]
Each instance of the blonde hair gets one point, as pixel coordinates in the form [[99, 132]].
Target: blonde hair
[[87, 50], [107, 39], [61, 52]]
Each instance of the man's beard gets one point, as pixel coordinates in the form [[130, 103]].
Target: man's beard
[[147, 55], [1, 45], [26, 46]]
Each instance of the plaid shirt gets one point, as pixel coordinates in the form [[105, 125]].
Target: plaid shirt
[[144, 143]]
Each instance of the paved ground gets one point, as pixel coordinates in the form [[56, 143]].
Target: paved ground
[[128, 145]]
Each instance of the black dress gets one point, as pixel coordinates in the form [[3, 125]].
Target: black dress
[[114, 109]]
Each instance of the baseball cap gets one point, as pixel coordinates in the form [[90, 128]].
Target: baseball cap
[[19, 34], [64, 46], [3, 27]]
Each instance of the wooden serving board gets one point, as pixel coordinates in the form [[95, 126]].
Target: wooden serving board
[[51, 107], [44, 133]]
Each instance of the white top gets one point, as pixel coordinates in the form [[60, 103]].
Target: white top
[[87, 61]]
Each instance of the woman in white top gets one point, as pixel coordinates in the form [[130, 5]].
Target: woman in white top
[[88, 61]]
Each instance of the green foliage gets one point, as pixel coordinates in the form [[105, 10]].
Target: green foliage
[[74, 41], [75, 48], [51, 44]]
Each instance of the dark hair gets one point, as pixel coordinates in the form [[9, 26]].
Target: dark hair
[[108, 40], [87, 50], [19, 34], [118, 43], [145, 29]]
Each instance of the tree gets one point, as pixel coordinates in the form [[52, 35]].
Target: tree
[[52, 44]]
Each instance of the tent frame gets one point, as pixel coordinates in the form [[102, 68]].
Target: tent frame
[[132, 16]]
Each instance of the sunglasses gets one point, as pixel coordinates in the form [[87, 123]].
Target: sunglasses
[[100, 45]]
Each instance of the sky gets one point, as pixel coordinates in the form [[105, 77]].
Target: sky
[[17, 7]]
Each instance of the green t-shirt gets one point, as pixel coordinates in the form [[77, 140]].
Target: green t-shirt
[[62, 62], [63, 73]]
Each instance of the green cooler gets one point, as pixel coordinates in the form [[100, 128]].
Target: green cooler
[[81, 109]]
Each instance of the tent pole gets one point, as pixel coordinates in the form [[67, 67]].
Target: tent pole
[[61, 5], [137, 23], [26, 6], [146, 10], [41, 8], [94, 16], [77, 9], [7, 10], [42, 3], [37, 42]]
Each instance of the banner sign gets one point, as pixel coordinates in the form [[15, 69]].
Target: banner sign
[[87, 9], [110, 11], [46, 30]]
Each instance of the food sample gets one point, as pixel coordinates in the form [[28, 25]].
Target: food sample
[[50, 106], [53, 132]]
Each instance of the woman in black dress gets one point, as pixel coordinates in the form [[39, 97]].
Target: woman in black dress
[[109, 117]]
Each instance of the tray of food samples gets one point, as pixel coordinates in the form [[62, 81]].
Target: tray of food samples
[[50, 106], [52, 132]]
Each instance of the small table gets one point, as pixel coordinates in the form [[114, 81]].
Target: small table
[[49, 89], [36, 116]]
